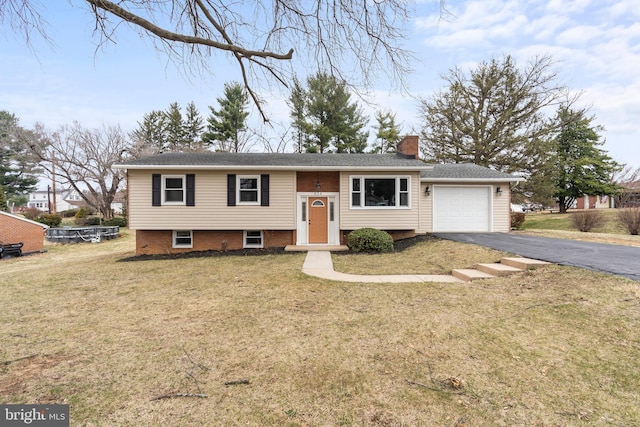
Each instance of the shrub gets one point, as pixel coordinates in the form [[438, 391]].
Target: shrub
[[117, 221], [588, 220], [52, 220], [81, 216], [31, 213], [94, 220], [517, 219], [630, 220], [370, 240], [70, 213]]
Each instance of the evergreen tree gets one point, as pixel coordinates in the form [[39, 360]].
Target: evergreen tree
[[329, 120], [193, 127], [297, 101], [17, 167], [580, 167], [388, 133], [174, 128], [3, 200], [151, 136], [226, 125]]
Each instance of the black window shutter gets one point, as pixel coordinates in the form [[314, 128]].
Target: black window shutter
[[231, 190], [264, 190], [191, 189], [156, 189]]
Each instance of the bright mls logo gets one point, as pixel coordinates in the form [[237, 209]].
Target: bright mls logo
[[34, 415]]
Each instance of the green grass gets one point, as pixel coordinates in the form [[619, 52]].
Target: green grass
[[556, 346], [560, 226], [556, 221]]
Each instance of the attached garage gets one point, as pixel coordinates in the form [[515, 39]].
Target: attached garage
[[462, 208], [465, 198]]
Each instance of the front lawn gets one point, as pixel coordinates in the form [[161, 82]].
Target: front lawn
[[268, 345], [560, 226]]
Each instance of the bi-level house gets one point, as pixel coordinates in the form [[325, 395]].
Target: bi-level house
[[181, 202]]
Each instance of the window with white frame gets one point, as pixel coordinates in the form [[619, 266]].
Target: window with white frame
[[182, 239], [173, 189], [253, 239], [248, 189], [380, 192]]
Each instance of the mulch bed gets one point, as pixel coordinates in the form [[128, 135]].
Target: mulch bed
[[398, 246]]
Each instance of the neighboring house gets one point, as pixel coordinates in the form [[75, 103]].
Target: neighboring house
[[65, 200], [181, 202], [16, 229], [595, 202], [630, 196]]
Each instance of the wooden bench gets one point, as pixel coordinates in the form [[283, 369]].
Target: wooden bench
[[11, 250]]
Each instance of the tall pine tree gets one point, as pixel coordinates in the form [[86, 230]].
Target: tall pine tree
[[17, 167], [225, 127], [388, 133], [193, 126], [326, 118], [151, 135], [174, 128], [297, 102], [580, 167]]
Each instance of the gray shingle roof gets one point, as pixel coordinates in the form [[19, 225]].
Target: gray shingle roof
[[465, 171], [291, 161]]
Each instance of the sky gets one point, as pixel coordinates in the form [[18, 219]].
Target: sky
[[595, 46]]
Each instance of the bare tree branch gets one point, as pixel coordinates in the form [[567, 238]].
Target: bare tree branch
[[354, 40], [83, 159]]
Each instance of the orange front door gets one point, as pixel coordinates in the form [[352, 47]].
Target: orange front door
[[318, 227]]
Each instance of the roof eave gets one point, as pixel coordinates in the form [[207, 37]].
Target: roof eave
[[510, 179], [267, 167]]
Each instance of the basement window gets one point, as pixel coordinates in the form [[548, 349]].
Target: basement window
[[182, 239], [253, 239]]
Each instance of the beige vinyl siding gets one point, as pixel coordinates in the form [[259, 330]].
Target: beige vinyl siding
[[386, 219], [502, 208], [211, 211], [425, 210]]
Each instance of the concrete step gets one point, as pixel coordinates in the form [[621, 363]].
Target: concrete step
[[523, 263], [307, 248], [498, 269], [470, 274]]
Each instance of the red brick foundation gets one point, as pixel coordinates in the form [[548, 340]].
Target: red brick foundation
[[149, 242]]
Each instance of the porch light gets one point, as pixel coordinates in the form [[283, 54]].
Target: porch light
[[427, 191], [317, 185], [498, 190]]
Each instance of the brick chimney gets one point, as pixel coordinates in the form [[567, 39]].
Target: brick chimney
[[408, 146]]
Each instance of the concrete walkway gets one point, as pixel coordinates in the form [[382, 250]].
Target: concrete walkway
[[319, 264]]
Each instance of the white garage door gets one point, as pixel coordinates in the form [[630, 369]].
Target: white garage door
[[461, 208]]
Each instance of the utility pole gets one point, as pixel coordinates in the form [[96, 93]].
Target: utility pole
[[49, 198], [53, 180]]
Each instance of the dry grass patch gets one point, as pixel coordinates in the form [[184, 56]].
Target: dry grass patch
[[558, 346], [433, 256]]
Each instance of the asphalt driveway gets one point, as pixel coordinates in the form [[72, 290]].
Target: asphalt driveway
[[614, 259]]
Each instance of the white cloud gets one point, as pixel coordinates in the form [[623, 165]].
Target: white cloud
[[579, 36], [567, 6]]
